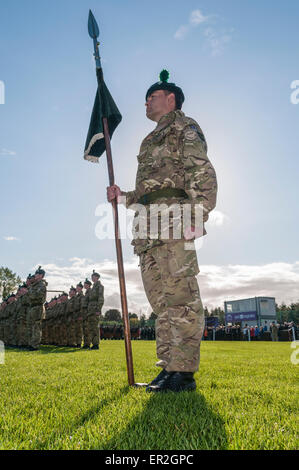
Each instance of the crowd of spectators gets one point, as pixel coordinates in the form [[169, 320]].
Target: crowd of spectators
[[273, 331]]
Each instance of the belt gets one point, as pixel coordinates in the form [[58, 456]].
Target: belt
[[166, 192]]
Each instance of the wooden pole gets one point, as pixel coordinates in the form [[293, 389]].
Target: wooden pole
[[120, 264]]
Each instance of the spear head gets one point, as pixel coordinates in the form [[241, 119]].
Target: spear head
[[93, 28], [94, 32]]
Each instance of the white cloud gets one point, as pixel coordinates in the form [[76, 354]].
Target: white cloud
[[6, 153], [215, 40], [9, 239], [217, 283], [196, 18], [279, 280]]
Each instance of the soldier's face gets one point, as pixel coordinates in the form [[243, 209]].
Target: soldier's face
[[158, 104]]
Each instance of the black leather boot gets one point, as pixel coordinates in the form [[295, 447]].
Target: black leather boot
[[156, 380], [159, 381], [174, 382]]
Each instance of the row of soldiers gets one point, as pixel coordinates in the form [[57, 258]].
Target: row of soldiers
[[74, 320], [21, 313]]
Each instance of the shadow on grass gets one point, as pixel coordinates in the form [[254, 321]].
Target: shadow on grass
[[173, 421], [46, 349], [95, 410]]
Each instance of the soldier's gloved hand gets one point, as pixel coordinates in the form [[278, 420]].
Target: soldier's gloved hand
[[113, 192], [192, 232]]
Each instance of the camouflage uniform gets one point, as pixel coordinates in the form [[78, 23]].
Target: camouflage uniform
[[23, 328], [84, 309], [95, 303], [78, 319], [71, 321], [174, 155], [37, 295]]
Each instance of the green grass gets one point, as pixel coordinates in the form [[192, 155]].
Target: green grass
[[59, 398]]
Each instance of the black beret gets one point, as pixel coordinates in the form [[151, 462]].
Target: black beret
[[40, 271], [164, 85]]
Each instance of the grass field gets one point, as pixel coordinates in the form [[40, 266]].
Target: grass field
[[59, 398]]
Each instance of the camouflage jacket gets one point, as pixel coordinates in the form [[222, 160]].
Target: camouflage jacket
[[78, 302], [174, 155], [70, 309], [97, 293], [37, 293]]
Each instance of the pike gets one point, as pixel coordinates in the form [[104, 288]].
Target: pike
[[105, 118]]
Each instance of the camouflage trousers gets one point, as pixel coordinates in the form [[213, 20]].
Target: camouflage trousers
[[78, 328], [85, 329], [168, 273], [22, 329], [93, 329], [35, 326], [71, 330]]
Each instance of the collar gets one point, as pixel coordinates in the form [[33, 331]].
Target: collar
[[168, 119]]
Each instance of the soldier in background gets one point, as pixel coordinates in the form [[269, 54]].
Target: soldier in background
[[2, 316], [84, 309], [50, 322], [37, 296], [78, 315], [24, 303], [71, 321], [29, 281], [96, 300], [15, 320], [10, 322], [45, 325], [63, 320]]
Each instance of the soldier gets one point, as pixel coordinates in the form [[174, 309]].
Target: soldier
[[2, 316], [78, 315], [12, 304], [173, 168], [22, 316], [95, 303], [37, 295], [59, 321], [84, 309], [71, 321]]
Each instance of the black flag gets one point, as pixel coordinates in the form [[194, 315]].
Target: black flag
[[104, 106]]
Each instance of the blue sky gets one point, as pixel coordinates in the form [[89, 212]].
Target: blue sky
[[235, 62]]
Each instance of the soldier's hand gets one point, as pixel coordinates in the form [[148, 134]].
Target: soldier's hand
[[113, 192]]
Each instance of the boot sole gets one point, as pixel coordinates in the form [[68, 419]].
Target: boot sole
[[186, 388]]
